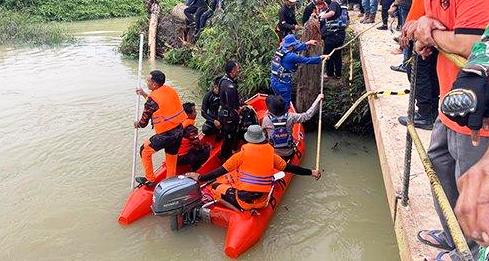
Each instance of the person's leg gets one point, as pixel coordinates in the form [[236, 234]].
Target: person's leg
[[203, 20], [340, 38], [198, 17], [146, 153], [362, 9], [435, 87], [366, 9], [208, 128], [385, 14], [201, 156], [229, 131], [424, 87], [373, 10], [170, 141], [466, 155], [189, 14], [227, 146], [328, 47], [444, 166]]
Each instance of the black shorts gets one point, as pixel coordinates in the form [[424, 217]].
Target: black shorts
[[170, 140]]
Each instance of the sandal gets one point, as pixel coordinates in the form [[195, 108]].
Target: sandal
[[439, 256], [442, 243]]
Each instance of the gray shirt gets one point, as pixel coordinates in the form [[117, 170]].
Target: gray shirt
[[292, 119]]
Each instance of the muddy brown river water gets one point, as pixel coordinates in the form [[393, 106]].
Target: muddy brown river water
[[65, 163]]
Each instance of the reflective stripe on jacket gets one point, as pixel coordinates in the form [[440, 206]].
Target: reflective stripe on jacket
[[170, 112], [255, 174]]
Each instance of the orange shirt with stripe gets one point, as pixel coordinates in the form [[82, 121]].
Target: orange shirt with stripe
[[186, 144], [463, 17], [255, 165]]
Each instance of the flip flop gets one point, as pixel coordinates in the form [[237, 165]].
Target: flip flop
[[439, 256], [441, 241]]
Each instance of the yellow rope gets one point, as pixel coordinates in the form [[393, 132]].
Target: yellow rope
[[363, 97], [441, 197]]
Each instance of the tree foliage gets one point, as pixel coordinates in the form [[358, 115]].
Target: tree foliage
[[244, 31], [17, 28], [71, 10]]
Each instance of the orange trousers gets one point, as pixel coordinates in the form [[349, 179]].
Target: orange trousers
[[147, 162]]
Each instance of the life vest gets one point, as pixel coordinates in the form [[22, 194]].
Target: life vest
[[340, 23], [186, 143], [187, 122], [255, 174], [280, 137], [170, 112], [277, 69]]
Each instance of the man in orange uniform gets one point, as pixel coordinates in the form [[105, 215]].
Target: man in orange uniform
[[453, 26], [251, 170], [165, 110]]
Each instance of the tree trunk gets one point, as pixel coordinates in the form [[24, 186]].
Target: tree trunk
[[153, 24], [308, 76]]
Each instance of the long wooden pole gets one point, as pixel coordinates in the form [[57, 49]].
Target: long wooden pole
[[136, 115], [320, 122]]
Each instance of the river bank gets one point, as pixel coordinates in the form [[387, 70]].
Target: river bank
[[65, 162]]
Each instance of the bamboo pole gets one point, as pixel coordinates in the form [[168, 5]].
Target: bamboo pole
[[136, 115]]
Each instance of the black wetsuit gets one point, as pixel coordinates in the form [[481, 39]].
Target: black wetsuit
[[210, 110], [230, 102]]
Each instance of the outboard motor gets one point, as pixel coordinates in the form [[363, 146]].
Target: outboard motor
[[178, 197]]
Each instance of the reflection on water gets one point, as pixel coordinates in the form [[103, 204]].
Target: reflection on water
[[65, 159]]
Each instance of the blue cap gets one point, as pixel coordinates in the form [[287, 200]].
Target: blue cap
[[290, 40]]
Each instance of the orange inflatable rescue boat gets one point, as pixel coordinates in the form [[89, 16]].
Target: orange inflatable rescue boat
[[187, 202]]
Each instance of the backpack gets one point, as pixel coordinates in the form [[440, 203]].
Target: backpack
[[280, 137]]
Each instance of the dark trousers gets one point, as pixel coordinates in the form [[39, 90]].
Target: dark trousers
[[386, 4], [331, 41], [202, 20], [194, 11], [229, 143], [209, 128], [195, 157], [427, 87]]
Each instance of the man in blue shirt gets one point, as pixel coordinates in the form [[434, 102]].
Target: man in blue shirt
[[285, 62]]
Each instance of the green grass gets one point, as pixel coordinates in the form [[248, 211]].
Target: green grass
[[17, 28], [75, 10]]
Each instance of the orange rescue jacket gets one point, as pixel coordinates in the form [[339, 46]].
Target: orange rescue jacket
[[255, 174], [170, 112], [186, 144]]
